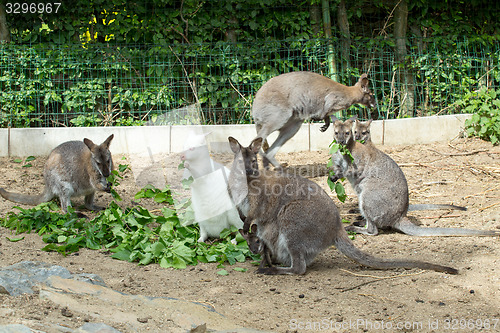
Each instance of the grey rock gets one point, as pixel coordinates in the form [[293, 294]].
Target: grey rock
[[15, 328], [96, 328], [20, 278]]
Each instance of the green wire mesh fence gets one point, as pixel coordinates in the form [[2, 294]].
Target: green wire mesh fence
[[214, 83]]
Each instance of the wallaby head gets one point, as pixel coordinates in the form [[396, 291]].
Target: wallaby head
[[255, 244], [367, 98], [248, 159], [361, 130], [343, 131], [101, 160]]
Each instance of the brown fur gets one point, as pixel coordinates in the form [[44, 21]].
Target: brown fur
[[285, 101], [74, 168], [296, 219]]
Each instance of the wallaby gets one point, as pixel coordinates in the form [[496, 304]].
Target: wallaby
[[213, 209], [256, 245], [296, 219], [381, 188], [361, 132], [73, 169], [285, 101]]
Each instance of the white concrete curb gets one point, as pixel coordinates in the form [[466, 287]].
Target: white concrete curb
[[152, 140]]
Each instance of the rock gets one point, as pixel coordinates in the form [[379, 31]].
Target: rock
[[20, 278], [87, 296], [15, 328], [96, 328]]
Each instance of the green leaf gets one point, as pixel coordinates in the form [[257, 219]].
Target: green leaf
[[223, 272], [240, 269], [15, 239]]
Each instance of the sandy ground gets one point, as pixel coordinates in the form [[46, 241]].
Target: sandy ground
[[335, 293]]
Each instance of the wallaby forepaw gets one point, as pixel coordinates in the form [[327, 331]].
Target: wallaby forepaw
[[333, 178], [324, 128]]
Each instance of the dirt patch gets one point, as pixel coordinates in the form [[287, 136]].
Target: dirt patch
[[335, 292]]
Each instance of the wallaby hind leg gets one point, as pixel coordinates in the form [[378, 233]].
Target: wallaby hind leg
[[265, 144], [286, 133], [369, 229], [298, 266]]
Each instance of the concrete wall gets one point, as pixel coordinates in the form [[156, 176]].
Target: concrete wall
[[152, 140]]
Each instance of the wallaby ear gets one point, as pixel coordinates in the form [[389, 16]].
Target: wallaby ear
[[234, 144], [354, 118], [107, 142], [242, 232], [253, 228], [89, 143], [368, 122], [363, 80], [349, 122], [256, 145]]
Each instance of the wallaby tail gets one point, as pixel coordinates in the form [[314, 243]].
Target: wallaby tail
[[26, 198], [409, 228], [345, 245], [434, 207]]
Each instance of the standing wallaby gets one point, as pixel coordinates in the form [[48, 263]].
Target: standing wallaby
[[296, 219], [213, 208], [73, 169], [381, 188], [285, 101], [361, 132]]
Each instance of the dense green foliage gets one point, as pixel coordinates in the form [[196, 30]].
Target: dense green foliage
[[485, 122], [127, 63]]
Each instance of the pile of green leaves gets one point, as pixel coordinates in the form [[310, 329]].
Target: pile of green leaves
[[134, 234], [485, 121]]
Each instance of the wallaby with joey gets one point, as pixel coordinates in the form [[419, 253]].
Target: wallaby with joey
[[213, 208], [72, 169], [361, 132], [296, 219], [285, 101], [381, 188]]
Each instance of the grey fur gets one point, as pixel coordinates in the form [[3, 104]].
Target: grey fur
[[381, 188], [362, 133], [73, 169], [296, 219], [284, 102]]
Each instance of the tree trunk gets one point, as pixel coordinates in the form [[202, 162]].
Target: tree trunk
[[345, 38], [327, 27], [407, 98], [315, 15], [4, 29]]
